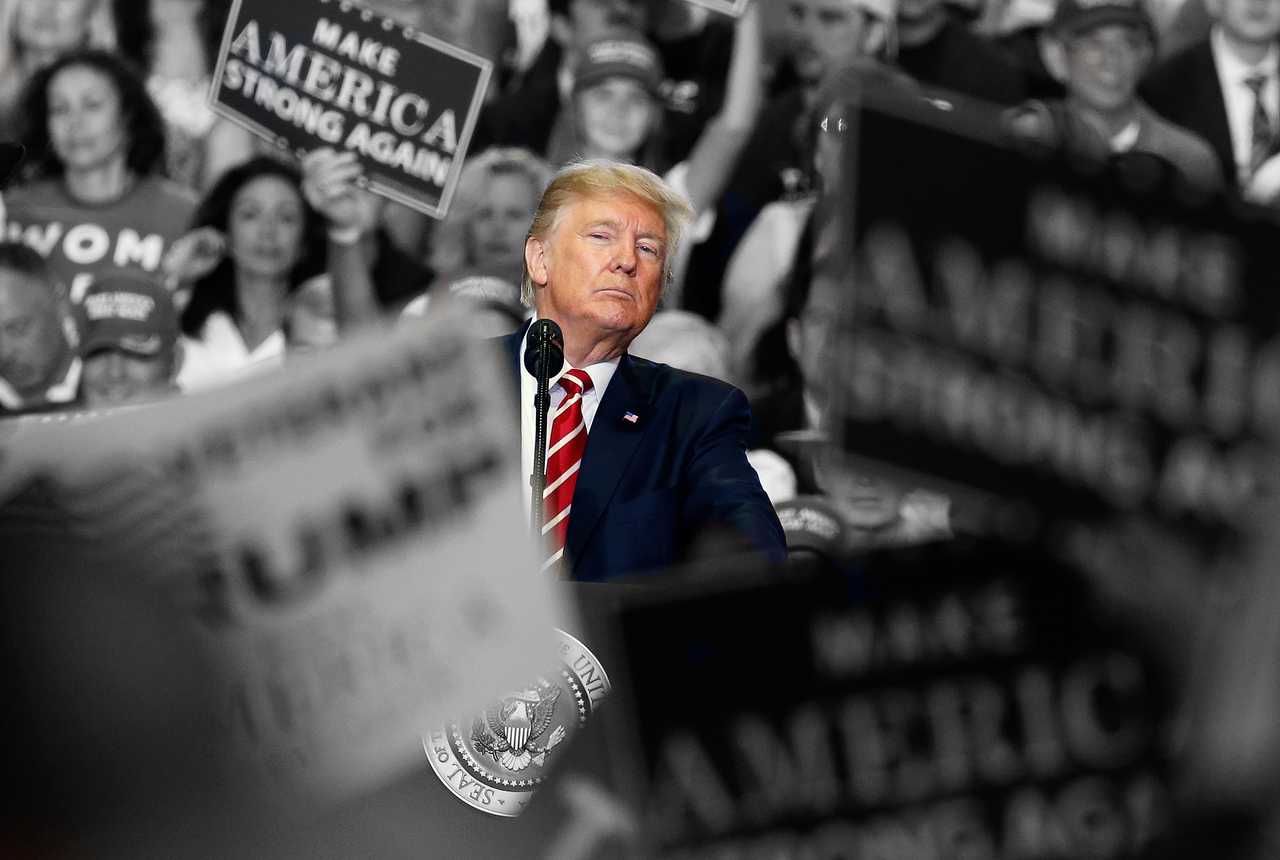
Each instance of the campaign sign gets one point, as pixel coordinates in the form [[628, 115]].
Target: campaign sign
[[957, 700], [307, 74], [347, 536], [1079, 338]]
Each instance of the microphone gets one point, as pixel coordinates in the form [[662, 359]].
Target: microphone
[[544, 350]]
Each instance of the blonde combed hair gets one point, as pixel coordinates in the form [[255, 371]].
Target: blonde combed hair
[[582, 180]]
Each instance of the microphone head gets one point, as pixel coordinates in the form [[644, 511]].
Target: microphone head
[[544, 343]]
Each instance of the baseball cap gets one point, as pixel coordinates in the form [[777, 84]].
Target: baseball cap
[[1073, 17], [812, 523], [622, 55], [129, 311]]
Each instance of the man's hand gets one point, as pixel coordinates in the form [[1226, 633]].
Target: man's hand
[[329, 183]]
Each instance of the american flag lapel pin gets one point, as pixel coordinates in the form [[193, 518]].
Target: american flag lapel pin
[[631, 416]]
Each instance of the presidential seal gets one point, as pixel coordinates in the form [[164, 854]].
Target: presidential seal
[[497, 760]]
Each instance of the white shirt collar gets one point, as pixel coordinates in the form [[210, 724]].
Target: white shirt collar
[[1232, 68], [1124, 140]]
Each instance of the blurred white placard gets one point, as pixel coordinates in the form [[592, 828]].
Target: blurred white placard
[[348, 532]]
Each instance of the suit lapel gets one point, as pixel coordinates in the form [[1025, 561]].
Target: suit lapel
[[621, 421], [1218, 127]]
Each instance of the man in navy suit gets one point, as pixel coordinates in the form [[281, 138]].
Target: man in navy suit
[[664, 468], [1226, 88]]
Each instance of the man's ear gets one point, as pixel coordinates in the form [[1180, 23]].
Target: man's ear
[[1053, 53], [535, 260]]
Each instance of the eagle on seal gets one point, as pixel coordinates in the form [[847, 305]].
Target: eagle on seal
[[511, 727]]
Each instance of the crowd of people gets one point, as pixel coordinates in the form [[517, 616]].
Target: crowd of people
[[152, 247]]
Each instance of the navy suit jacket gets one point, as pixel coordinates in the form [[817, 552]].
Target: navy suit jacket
[[1185, 89], [648, 487]]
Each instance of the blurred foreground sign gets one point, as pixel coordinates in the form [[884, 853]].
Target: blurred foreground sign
[[307, 74], [957, 700], [1071, 339], [348, 533]]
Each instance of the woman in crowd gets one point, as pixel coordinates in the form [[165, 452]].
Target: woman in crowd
[[95, 144], [255, 263], [34, 33], [495, 201]]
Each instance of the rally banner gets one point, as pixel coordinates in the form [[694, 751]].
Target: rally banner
[[347, 535], [940, 702], [1056, 338], [306, 74]]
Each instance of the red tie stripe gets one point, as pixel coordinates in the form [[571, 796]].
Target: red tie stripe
[[564, 456]]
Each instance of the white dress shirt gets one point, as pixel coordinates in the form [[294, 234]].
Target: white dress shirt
[[601, 373], [1238, 97]]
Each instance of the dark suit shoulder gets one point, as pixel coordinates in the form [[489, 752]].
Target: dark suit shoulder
[[664, 377], [1164, 85], [673, 373]]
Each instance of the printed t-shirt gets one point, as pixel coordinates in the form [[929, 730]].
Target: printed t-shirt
[[82, 240]]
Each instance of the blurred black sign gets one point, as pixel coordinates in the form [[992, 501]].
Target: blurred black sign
[[952, 701], [1085, 338], [10, 156], [312, 73]]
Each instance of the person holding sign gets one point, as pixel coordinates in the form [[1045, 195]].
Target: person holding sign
[[97, 144], [1099, 51], [664, 464]]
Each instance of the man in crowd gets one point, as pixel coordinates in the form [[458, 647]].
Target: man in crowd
[[38, 364], [1099, 51], [128, 340], [663, 465], [1225, 88]]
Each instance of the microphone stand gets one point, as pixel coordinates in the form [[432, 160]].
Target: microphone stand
[[538, 480], [544, 356]]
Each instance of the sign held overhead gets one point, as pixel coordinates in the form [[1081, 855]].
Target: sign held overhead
[[321, 73]]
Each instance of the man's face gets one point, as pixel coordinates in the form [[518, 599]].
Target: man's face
[[1251, 21], [33, 347], [824, 32], [1104, 65], [599, 273], [53, 25], [113, 376]]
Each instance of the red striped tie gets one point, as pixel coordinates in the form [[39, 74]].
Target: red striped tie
[[564, 455]]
